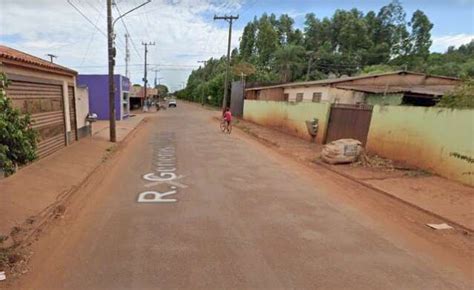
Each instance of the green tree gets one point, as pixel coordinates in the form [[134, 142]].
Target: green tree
[[394, 27], [421, 34], [162, 90], [17, 138], [266, 42], [247, 42], [288, 61]]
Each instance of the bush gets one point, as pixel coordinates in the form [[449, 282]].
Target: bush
[[462, 97], [17, 138]]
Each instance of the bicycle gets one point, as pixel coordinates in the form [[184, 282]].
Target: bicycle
[[226, 128]]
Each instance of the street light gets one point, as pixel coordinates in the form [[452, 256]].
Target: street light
[[111, 57]]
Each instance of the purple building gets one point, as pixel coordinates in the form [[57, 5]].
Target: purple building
[[99, 95]]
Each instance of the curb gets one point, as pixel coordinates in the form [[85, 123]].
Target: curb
[[385, 193]]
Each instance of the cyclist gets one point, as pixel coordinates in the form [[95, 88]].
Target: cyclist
[[227, 116]]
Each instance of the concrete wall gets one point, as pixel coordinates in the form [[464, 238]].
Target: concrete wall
[[328, 94], [288, 117], [99, 94], [431, 138], [82, 106]]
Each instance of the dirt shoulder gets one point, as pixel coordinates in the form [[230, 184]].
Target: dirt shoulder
[[38, 193], [443, 198], [404, 224]]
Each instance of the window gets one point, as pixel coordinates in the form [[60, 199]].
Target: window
[[317, 97], [299, 97]]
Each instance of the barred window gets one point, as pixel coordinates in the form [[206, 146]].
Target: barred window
[[317, 97], [299, 97]]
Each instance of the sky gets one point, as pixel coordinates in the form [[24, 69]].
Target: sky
[[183, 31]]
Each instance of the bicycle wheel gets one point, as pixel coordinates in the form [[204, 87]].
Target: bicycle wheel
[[223, 126]]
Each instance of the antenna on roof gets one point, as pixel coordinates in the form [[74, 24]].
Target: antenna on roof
[[51, 57]]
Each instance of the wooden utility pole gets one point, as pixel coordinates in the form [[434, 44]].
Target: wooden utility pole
[[145, 81], [111, 54], [229, 19]]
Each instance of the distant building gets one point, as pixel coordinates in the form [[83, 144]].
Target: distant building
[[393, 88], [46, 91], [137, 96], [98, 87]]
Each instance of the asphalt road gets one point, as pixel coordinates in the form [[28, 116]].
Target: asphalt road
[[235, 217]]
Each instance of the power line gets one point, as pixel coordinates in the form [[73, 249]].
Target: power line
[[87, 18], [91, 39], [229, 19], [126, 29]]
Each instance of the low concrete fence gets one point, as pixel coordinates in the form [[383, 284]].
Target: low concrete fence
[[288, 117], [436, 139]]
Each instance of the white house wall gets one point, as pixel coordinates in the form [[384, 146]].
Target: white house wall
[[82, 106], [328, 94]]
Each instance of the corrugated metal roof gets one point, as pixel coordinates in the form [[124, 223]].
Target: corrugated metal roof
[[436, 90], [343, 79], [8, 53]]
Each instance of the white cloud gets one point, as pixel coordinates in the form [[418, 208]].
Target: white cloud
[[441, 43], [183, 30]]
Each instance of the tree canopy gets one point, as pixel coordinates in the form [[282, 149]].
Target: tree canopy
[[273, 50]]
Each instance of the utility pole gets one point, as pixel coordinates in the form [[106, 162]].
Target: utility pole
[[155, 70], [145, 81], [111, 53], [127, 56], [229, 19], [51, 56], [111, 57]]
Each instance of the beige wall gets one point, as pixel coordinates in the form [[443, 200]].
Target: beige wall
[[435, 139], [288, 117], [82, 106], [328, 94]]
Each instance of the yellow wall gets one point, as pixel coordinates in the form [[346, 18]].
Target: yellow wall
[[288, 117], [426, 138]]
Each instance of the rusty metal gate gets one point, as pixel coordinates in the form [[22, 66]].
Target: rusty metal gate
[[72, 114], [349, 121], [237, 99], [44, 102]]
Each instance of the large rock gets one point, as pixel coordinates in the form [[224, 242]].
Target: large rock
[[342, 151]]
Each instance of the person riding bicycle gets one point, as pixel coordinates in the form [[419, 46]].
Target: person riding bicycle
[[227, 116]]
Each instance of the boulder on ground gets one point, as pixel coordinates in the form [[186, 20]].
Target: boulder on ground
[[342, 151]]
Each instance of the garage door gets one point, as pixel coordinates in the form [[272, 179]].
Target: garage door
[[44, 103]]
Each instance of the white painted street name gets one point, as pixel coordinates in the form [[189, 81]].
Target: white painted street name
[[164, 163]]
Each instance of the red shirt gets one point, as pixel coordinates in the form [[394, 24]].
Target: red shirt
[[228, 116]]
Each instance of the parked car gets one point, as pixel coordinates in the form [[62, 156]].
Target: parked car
[[172, 103]]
